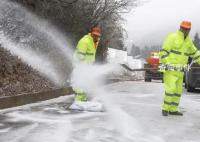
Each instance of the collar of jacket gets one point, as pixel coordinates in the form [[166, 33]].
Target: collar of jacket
[[96, 44], [181, 34], [90, 36]]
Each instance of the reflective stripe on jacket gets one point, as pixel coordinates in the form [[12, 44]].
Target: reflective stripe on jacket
[[86, 49], [176, 50]]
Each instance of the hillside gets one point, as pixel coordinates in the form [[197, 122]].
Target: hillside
[[18, 78]]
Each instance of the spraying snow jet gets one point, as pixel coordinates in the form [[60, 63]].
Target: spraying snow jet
[[38, 36], [37, 62], [91, 78]]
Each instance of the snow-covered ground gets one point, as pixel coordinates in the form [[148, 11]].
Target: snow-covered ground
[[134, 116]]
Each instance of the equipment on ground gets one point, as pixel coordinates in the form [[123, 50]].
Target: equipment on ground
[[151, 68], [87, 106]]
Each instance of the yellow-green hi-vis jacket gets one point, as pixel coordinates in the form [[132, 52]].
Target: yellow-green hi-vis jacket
[[86, 49], [176, 50]]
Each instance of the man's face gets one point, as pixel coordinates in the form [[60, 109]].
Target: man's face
[[95, 37], [185, 31]]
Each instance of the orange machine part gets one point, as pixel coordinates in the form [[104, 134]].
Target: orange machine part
[[153, 61]]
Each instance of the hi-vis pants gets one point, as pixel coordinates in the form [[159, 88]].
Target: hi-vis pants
[[173, 83], [80, 95]]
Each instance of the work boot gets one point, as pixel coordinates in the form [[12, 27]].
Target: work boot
[[176, 113], [164, 113]]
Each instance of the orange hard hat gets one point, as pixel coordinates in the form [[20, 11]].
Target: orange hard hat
[[96, 31], [186, 24]]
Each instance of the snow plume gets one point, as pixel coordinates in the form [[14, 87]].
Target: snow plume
[[28, 56], [59, 39], [91, 79], [38, 36]]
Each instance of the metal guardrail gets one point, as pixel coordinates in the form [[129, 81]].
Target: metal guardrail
[[140, 69], [145, 69]]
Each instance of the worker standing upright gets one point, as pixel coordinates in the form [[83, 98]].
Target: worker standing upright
[[176, 50], [85, 53]]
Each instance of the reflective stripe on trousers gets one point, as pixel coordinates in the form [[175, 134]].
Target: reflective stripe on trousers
[[173, 82]]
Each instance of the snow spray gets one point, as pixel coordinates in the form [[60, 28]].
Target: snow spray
[[36, 42], [92, 78]]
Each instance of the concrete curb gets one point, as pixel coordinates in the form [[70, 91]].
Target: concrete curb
[[18, 100]]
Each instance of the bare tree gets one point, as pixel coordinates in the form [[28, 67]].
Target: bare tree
[[76, 17]]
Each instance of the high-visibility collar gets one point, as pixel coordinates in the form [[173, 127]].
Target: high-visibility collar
[[91, 38], [181, 34]]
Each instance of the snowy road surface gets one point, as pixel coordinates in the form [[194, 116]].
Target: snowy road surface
[[134, 116]]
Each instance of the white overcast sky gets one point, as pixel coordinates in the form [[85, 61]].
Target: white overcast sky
[[151, 22]]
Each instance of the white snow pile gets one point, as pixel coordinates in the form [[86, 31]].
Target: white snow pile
[[121, 57]]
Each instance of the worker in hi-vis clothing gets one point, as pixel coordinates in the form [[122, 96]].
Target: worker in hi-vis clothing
[[176, 50], [85, 53]]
